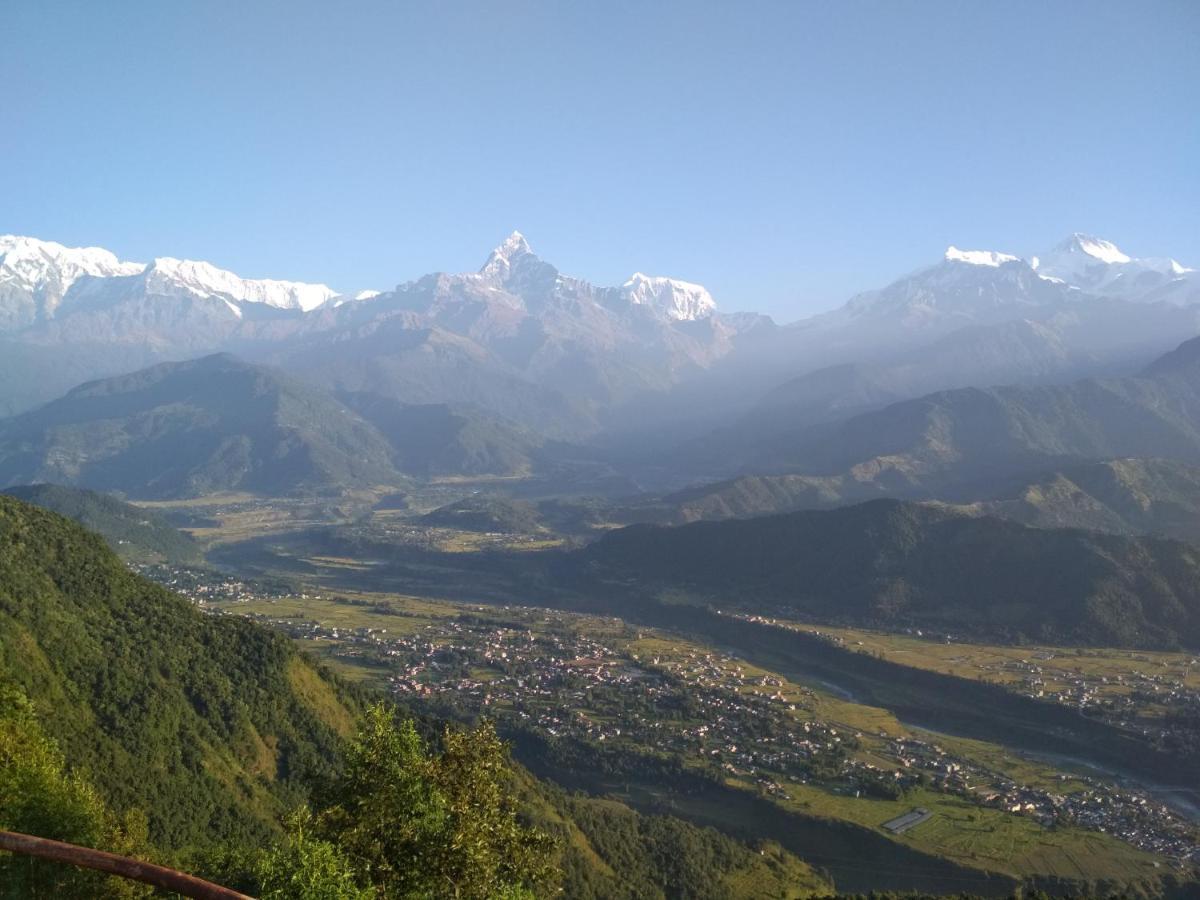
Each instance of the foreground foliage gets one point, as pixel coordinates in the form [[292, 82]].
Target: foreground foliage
[[38, 795]]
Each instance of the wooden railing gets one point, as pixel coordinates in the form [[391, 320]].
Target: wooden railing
[[121, 866]]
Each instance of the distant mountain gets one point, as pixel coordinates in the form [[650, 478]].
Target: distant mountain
[[139, 535], [960, 436], [892, 564], [1121, 496], [595, 347], [517, 337], [977, 317], [572, 360], [37, 276], [186, 429], [438, 439], [1098, 266], [977, 287], [212, 726]]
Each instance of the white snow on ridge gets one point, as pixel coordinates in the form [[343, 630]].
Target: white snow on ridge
[[36, 264], [682, 301], [206, 280], [1097, 265], [1105, 251], [979, 257]]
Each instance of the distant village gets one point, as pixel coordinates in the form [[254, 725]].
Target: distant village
[[571, 676]]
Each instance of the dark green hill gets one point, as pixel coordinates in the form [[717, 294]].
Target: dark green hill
[[437, 439], [139, 535], [211, 725], [192, 428], [489, 514], [892, 563]]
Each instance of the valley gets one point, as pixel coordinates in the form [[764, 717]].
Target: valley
[[681, 715], [590, 451]]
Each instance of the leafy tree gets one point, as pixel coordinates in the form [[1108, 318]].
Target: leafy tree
[[421, 824], [39, 796], [304, 867]]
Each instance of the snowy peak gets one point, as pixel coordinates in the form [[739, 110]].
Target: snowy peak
[[1096, 265], [681, 301], [978, 257], [41, 266], [168, 275], [1096, 248], [501, 261]]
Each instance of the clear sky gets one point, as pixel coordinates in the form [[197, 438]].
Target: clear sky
[[784, 154]]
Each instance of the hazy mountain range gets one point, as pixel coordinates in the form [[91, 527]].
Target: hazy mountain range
[[557, 353], [490, 372]]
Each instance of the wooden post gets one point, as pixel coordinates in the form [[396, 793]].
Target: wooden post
[[122, 866]]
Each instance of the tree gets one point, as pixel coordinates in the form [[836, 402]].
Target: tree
[[39, 796], [416, 824], [304, 867]]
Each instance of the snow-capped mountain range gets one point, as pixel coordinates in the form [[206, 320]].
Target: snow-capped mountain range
[[982, 286], [47, 271], [516, 321], [528, 342]]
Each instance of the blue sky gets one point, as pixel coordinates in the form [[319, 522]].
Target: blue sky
[[784, 154]]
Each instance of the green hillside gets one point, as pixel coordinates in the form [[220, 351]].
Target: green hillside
[[215, 727], [1120, 496], [1123, 496], [136, 534], [895, 564], [187, 429], [211, 725]]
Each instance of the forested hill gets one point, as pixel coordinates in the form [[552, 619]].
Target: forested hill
[[893, 563], [215, 727], [212, 726], [136, 534], [191, 428]]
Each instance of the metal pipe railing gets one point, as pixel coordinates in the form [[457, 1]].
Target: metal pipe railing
[[121, 866]]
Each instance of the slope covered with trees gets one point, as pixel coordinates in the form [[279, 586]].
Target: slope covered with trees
[[136, 534], [211, 725], [892, 563], [193, 428]]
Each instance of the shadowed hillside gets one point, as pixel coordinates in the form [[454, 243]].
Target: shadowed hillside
[[893, 563]]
